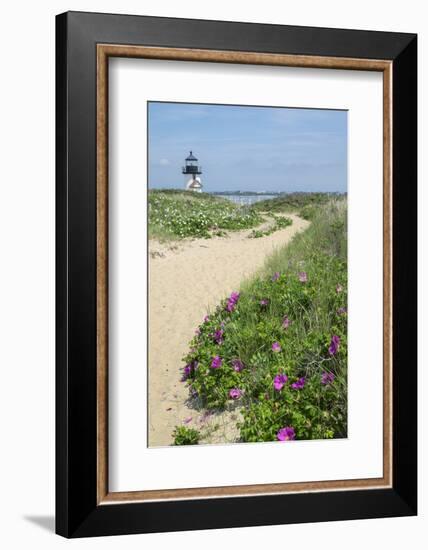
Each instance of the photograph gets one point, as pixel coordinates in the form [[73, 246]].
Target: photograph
[[247, 262]]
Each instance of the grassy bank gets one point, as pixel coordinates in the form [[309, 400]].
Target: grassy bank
[[306, 204], [175, 214], [279, 347]]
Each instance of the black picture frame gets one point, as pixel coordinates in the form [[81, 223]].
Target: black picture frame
[[77, 511]]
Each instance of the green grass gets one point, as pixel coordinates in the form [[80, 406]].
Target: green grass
[[279, 222], [301, 317], [326, 236], [294, 202], [185, 436], [175, 214]]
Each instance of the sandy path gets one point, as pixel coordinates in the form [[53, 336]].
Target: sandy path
[[185, 283]]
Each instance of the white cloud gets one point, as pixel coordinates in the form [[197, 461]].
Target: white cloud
[[164, 162]]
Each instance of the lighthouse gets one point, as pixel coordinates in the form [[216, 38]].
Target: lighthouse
[[191, 172]]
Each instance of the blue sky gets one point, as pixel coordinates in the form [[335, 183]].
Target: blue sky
[[249, 148]]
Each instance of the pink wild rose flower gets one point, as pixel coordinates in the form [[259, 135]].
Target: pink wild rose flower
[[235, 393], [299, 384], [334, 345], [303, 277], [216, 362], [276, 347], [286, 434], [279, 381], [286, 322]]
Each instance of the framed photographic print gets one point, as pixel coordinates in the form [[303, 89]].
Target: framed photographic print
[[236, 274]]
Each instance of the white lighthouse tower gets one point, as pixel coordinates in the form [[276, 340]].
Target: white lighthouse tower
[[191, 172]]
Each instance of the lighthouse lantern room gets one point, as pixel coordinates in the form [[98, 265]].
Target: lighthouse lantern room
[[192, 173]]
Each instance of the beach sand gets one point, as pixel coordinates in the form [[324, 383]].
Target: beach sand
[[186, 279]]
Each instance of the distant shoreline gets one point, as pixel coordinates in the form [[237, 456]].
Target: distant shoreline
[[274, 193], [256, 193]]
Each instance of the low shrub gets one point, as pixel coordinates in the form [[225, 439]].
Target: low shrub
[[185, 214], [308, 212], [185, 436]]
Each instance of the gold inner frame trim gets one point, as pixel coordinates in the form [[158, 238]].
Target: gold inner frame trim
[[104, 51]]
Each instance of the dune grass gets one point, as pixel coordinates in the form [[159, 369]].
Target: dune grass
[[306, 204], [175, 214], [279, 346], [278, 223]]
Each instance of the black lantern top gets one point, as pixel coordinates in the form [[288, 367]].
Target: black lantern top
[[191, 157], [191, 167]]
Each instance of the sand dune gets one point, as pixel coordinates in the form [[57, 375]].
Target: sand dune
[[185, 281]]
